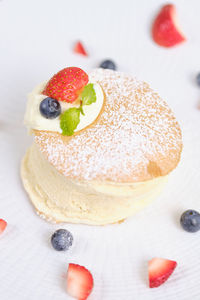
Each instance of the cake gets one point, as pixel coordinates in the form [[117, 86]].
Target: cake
[[116, 158]]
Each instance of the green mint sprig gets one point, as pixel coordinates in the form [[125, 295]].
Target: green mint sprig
[[70, 119]]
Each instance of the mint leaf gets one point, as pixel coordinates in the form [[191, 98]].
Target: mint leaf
[[69, 120], [88, 96]]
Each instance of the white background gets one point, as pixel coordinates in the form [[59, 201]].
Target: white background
[[36, 39]]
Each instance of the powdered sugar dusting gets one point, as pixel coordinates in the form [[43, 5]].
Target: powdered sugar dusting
[[136, 137]]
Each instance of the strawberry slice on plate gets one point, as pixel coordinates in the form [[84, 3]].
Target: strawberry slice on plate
[[3, 225], [165, 29], [79, 48], [79, 282], [66, 85], [159, 271]]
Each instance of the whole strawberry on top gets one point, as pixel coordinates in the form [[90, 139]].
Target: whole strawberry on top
[[66, 85]]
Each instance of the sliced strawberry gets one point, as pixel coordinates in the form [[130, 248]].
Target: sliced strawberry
[[165, 29], [159, 271], [79, 282], [78, 48], [3, 225], [66, 85]]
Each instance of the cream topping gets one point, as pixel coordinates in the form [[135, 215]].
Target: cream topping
[[34, 120]]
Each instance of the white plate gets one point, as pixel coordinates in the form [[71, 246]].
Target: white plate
[[35, 42]]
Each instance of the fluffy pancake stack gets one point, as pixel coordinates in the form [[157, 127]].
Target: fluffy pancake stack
[[112, 168]]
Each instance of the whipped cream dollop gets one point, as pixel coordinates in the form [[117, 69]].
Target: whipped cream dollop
[[34, 120]]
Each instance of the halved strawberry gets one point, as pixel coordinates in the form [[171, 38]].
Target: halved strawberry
[[165, 29], [3, 225], [78, 48], [159, 271], [79, 282], [66, 85]]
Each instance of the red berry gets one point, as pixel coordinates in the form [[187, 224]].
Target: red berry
[[3, 225], [66, 85], [79, 282], [165, 30], [78, 48], [159, 271]]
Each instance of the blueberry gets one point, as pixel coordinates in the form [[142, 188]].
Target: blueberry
[[198, 79], [50, 108], [190, 220], [108, 64], [61, 240]]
